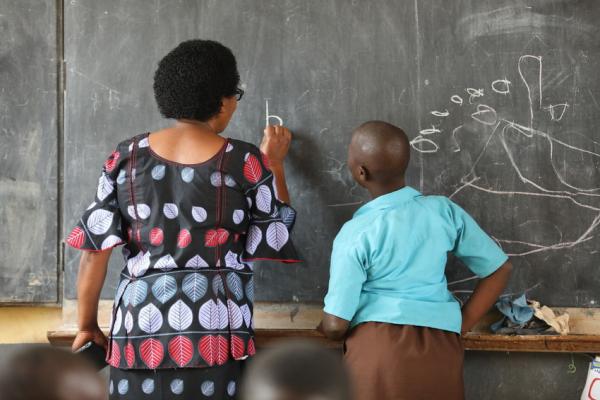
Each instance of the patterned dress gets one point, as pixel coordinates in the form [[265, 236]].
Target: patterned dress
[[191, 232]]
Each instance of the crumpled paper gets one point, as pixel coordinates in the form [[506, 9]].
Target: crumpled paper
[[559, 323]]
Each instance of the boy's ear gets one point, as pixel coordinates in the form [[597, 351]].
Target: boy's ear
[[363, 173]]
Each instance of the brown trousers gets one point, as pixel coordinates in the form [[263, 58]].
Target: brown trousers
[[404, 362]]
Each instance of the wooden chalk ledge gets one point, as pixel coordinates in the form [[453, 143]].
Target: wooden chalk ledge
[[472, 341], [278, 321]]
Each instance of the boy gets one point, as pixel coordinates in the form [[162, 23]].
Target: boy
[[296, 371], [387, 279]]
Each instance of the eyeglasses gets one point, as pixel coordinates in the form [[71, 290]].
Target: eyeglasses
[[239, 93]]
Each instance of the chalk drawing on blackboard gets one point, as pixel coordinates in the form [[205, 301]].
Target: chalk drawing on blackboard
[[456, 99], [530, 68], [557, 111], [444, 113], [501, 86], [429, 131], [271, 116], [474, 93]]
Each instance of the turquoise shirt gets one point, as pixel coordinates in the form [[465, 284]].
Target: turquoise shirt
[[388, 261]]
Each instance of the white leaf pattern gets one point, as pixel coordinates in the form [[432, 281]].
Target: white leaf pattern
[[150, 319], [121, 289], [165, 263], [229, 181], [139, 264], [217, 286], [215, 179], [143, 143], [229, 147], [247, 314], [164, 288], [213, 315], [253, 238], [194, 286], [187, 174], [142, 209], [263, 199], [138, 290], [238, 216], [170, 210], [111, 241], [277, 235], [105, 187], [158, 172], [235, 315], [91, 206], [99, 221], [288, 216], [122, 177], [199, 214], [231, 261], [180, 316], [234, 283], [196, 262], [128, 324]]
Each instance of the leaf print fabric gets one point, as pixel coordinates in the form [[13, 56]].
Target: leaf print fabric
[[185, 298]]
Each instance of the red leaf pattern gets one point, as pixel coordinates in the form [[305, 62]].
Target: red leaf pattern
[[76, 237], [184, 239], [112, 161], [181, 350], [156, 236], [215, 237], [151, 352], [129, 354], [214, 349], [251, 349], [237, 347], [252, 169], [115, 355]]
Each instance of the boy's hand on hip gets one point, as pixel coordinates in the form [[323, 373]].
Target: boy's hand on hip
[[276, 143]]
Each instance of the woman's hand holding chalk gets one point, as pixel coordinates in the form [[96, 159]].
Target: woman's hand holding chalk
[[276, 143]]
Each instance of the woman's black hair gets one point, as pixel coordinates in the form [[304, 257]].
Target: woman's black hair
[[193, 78]]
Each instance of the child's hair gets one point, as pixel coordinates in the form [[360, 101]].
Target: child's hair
[[296, 371], [46, 373]]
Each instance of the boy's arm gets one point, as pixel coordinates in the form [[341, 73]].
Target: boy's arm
[[333, 327], [484, 296]]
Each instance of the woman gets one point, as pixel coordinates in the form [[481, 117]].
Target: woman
[[193, 210]]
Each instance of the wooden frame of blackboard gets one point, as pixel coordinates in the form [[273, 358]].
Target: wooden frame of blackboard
[[280, 321]]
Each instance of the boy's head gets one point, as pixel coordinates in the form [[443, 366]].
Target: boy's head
[[378, 156], [296, 371], [45, 373]]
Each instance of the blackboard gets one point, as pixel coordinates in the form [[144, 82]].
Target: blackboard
[[499, 98], [28, 152]]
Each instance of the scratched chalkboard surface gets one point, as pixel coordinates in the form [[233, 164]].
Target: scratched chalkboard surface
[[28, 152], [500, 100]]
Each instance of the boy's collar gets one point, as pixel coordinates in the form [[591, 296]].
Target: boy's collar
[[389, 200]]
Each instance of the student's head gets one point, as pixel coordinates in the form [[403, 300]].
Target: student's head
[[198, 81], [296, 371], [378, 156], [45, 373]]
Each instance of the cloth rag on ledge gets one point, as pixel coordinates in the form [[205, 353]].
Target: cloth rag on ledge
[[528, 317]]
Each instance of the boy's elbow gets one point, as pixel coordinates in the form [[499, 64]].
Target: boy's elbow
[[334, 328]]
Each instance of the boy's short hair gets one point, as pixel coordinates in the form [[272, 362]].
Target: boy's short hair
[[296, 371], [192, 80], [46, 373]]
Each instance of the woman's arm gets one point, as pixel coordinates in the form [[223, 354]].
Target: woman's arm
[[275, 145], [92, 272], [485, 295]]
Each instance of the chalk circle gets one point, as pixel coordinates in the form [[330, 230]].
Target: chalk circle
[[485, 114], [425, 145]]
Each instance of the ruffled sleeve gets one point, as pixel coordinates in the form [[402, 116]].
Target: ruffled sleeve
[[100, 226], [271, 221]]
